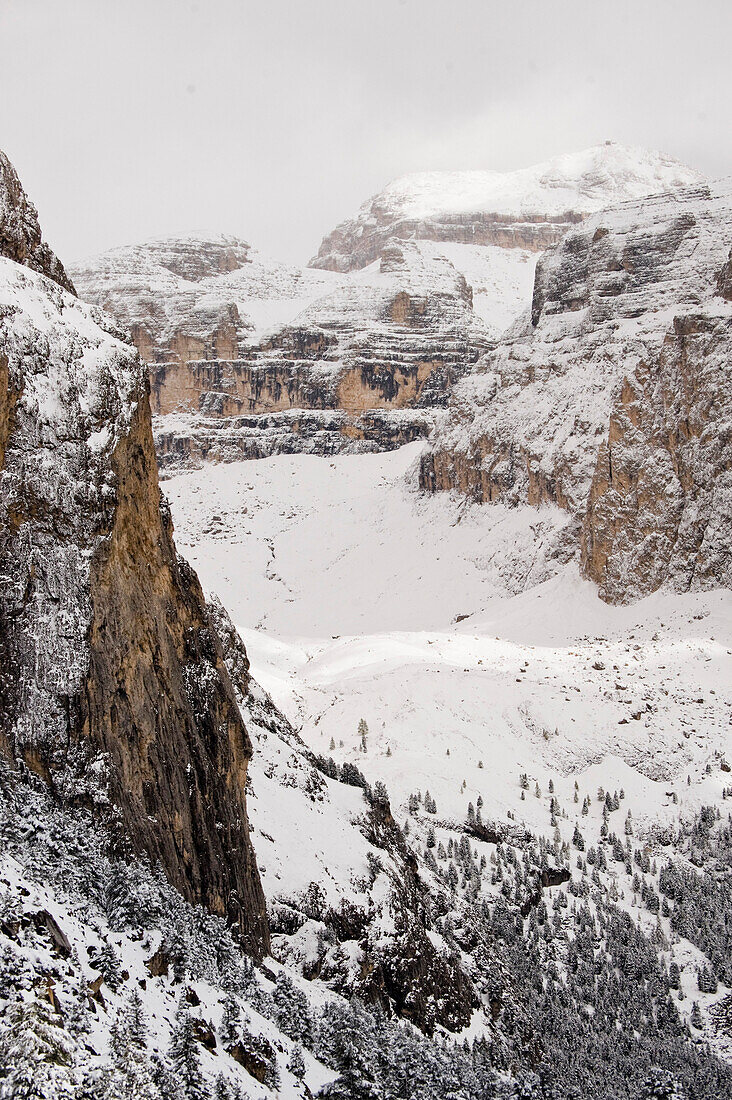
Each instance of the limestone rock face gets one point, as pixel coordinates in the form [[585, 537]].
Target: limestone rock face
[[20, 233], [113, 686], [392, 339], [188, 299], [527, 209], [612, 398]]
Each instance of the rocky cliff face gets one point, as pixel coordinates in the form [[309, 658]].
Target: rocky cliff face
[[193, 298], [113, 684], [20, 233], [528, 209], [184, 442], [612, 399], [393, 339]]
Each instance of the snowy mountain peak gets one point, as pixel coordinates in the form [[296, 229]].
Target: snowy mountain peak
[[527, 208], [190, 257], [581, 182]]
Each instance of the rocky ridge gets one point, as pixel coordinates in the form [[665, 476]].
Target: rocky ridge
[[113, 687], [611, 398]]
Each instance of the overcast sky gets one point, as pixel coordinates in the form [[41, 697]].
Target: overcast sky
[[275, 119]]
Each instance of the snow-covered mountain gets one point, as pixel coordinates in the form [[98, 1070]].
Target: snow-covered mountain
[[239, 341], [528, 209], [431, 271], [190, 298]]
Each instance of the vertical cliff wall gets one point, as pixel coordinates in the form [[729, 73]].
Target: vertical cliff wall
[[612, 398], [112, 681]]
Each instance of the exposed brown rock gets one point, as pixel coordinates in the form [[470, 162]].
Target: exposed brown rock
[[45, 922], [112, 681], [159, 702], [203, 1033], [255, 1054], [158, 964], [396, 341], [660, 502]]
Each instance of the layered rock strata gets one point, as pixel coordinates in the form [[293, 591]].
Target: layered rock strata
[[187, 442], [423, 281], [393, 339]]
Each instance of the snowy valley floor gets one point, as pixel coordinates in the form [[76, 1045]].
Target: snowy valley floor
[[359, 598], [347, 584]]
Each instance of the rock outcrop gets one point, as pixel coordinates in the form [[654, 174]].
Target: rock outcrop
[[528, 209], [613, 400], [184, 442], [113, 686], [20, 232], [193, 298]]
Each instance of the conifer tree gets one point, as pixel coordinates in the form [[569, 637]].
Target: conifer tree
[[106, 960], [34, 1052], [184, 1058], [296, 1064], [221, 1088], [230, 1020], [131, 1077]]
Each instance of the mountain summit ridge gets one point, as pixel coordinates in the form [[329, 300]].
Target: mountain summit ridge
[[527, 207]]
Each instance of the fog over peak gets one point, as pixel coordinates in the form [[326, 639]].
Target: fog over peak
[[274, 122]]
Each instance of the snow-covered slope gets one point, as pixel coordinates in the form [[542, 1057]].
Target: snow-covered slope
[[586, 181], [529, 208], [355, 612]]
